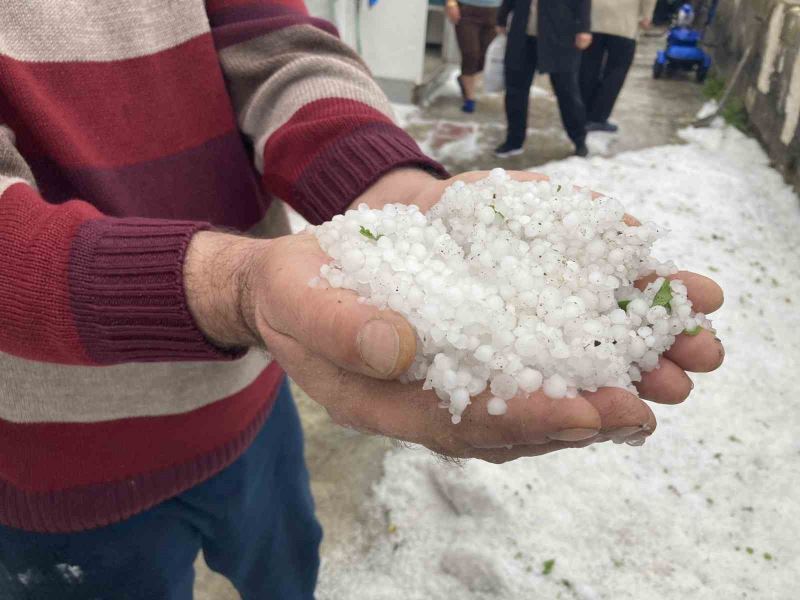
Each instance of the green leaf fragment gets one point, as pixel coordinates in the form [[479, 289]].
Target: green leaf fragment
[[497, 212], [623, 304], [368, 234], [663, 296], [693, 332], [547, 566]]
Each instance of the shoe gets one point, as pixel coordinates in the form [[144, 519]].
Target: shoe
[[468, 106], [506, 150], [604, 126], [581, 150]]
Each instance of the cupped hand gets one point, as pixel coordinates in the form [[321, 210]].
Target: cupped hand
[[347, 355]]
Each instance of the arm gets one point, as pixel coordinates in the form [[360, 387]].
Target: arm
[[584, 16], [646, 9], [503, 12], [77, 287], [342, 352], [322, 130]]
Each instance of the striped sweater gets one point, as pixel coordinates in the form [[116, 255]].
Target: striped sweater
[[125, 127]]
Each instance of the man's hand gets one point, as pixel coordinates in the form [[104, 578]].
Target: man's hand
[[453, 12], [583, 41], [646, 23], [347, 355]]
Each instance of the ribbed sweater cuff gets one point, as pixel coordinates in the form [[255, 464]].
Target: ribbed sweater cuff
[[127, 292], [344, 169]]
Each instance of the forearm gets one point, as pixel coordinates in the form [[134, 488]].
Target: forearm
[[503, 12], [584, 16], [321, 128]]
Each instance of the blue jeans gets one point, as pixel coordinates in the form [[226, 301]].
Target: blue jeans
[[254, 522]]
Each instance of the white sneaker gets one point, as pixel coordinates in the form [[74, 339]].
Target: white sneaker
[[505, 150]]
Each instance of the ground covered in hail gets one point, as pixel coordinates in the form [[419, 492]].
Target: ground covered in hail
[[708, 508]]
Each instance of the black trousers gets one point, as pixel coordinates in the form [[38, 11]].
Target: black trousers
[[518, 87], [604, 67]]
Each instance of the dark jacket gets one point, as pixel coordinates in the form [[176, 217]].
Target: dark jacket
[[559, 22]]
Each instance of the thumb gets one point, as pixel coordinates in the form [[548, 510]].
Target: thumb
[[329, 321]]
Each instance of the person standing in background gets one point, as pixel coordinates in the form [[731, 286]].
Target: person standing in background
[[547, 35], [605, 64], [474, 21]]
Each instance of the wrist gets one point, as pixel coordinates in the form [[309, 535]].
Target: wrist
[[217, 278]]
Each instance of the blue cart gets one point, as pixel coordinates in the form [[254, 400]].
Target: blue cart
[[683, 51]]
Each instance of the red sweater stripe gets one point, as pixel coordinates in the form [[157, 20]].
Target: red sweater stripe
[[36, 320], [107, 114], [59, 456], [213, 182]]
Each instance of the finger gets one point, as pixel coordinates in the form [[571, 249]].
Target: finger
[[390, 408], [622, 414], [330, 321], [532, 419], [705, 293], [700, 353], [406, 412], [504, 455], [668, 384]]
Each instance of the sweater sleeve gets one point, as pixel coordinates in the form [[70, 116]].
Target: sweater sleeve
[[321, 129], [584, 16], [647, 8], [80, 288], [503, 12]]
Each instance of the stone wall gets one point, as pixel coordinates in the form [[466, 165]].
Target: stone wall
[[770, 82]]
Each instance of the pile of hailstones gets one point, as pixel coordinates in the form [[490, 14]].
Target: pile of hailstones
[[513, 285]]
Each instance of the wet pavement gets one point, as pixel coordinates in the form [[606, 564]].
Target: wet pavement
[[648, 113]]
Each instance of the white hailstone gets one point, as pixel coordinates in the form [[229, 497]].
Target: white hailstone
[[504, 386], [616, 256], [459, 399], [617, 316], [529, 380], [513, 286], [497, 406], [555, 386], [639, 307]]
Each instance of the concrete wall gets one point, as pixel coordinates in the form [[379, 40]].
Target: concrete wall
[[770, 82]]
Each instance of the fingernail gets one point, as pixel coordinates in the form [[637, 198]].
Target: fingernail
[[573, 435], [637, 440], [620, 435], [379, 346]]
